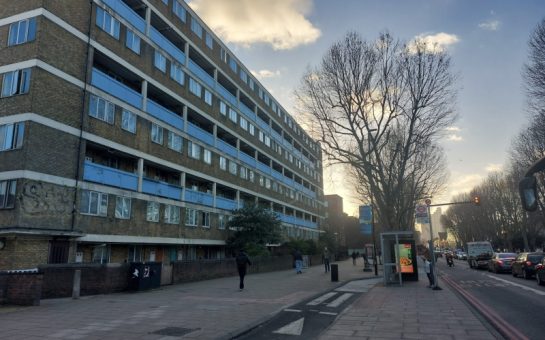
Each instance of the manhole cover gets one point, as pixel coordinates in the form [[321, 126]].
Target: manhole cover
[[174, 331]]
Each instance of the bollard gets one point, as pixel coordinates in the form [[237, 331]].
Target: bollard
[[334, 272], [76, 284]]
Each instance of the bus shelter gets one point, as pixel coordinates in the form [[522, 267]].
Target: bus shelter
[[399, 257]]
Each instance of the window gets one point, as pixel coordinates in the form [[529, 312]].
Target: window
[[223, 163], [233, 167], [251, 83], [267, 183], [195, 87], [94, 203], [122, 207], [107, 23], [207, 97], [128, 121], [252, 129], [233, 64], [251, 175], [223, 55], [101, 253], [205, 219], [207, 156], [172, 214], [221, 221], [243, 172], [152, 213], [190, 217], [243, 123], [135, 254], [268, 141], [22, 31], [261, 136], [223, 108], [176, 73], [160, 61], [233, 115], [261, 180], [7, 194], [16, 82], [193, 150], [243, 76], [102, 109], [165, 2], [156, 134], [133, 41], [11, 136], [196, 27], [179, 10], [175, 141], [209, 40]]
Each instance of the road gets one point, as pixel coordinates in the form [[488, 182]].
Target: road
[[309, 318], [518, 302]]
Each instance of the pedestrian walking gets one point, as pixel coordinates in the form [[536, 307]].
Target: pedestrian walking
[[354, 256], [428, 268], [298, 261], [326, 256], [242, 261]]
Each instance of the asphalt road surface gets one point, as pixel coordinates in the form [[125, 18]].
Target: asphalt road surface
[[520, 302], [308, 319]]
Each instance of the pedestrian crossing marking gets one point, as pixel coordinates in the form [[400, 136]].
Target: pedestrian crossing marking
[[293, 328], [328, 313], [321, 299], [292, 310], [338, 301]]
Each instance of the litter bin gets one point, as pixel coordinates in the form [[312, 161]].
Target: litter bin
[[144, 275], [334, 272]]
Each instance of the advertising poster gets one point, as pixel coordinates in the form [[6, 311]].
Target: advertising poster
[[405, 258]]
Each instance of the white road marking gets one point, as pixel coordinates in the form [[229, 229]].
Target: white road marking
[[292, 310], [328, 313], [338, 301], [321, 299], [538, 292], [293, 328], [359, 286]]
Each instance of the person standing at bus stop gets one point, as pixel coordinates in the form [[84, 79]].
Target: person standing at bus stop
[[327, 256], [298, 257], [242, 260]]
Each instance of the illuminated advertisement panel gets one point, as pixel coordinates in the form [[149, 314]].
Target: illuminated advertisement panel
[[405, 258]]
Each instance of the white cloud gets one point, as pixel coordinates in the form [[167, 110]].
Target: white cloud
[[490, 25], [492, 167], [455, 138], [453, 128], [434, 42], [280, 23], [463, 184], [262, 74]]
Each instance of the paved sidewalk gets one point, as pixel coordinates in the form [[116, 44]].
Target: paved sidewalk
[[412, 311], [205, 310]]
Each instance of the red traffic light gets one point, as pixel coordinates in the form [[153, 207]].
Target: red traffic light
[[476, 200]]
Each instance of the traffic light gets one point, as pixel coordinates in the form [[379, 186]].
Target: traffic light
[[476, 200]]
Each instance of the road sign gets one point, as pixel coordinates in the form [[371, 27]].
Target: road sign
[[421, 211], [366, 218], [428, 201]]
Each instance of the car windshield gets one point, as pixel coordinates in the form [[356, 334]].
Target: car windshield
[[535, 258], [507, 255]]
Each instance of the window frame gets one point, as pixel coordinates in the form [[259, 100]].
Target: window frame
[[153, 211], [8, 190], [160, 61], [128, 121], [101, 202], [108, 115], [11, 136], [133, 41], [29, 32], [123, 207], [172, 214], [158, 131], [191, 217], [175, 141], [102, 18], [15, 82]]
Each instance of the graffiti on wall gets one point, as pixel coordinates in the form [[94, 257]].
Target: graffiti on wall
[[39, 198]]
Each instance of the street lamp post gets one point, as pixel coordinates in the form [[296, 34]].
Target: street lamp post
[[435, 283]]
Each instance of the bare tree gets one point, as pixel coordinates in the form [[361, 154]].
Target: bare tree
[[379, 108], [534, 71]]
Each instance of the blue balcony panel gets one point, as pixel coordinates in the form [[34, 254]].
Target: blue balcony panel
[[162, 189], [127, 13], [226, 204], [227, 148], [109, 176], [107, 84], [288, 181], [247, 112], [276, 136], [201, 74], [264, 168], [198, 197], [164, 114], [263, 125], [227, 95], [166, 45], [200, 134], [277, 175], [249, 160]]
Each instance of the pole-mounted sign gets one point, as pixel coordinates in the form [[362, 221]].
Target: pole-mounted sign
[[366, 219]]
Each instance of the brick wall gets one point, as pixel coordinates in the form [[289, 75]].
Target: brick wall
[[20, 288]]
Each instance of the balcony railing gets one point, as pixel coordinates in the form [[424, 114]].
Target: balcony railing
[[263, 125], [164, 114], [227, 148], [249, 160], [264, 168], [168, 46], [226, 204], [277, 175], [109, 176], [247, 112], [162, 189], [107, 84], [226, 95], [201, 74], [198, 197], [276, 136], [127, 13], [200, 134]]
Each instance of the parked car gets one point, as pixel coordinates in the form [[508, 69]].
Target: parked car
[[501, 262], [540, 272], [461, 255], [524, 264]]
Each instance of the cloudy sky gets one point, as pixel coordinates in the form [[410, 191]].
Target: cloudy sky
[[277, 40]]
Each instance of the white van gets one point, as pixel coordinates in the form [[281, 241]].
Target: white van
[[479, 253]]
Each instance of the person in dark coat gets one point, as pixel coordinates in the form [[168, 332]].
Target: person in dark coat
[[242, 261], [354, 256], [298, 257]]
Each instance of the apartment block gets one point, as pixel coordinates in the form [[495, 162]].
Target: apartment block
[[130, 132]]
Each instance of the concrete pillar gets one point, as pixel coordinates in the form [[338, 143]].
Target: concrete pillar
[[76, 284], [140, 173], [237, 198], [148, 20], [186, 51], [182, 184], [214, 187], [144, 93], [185, 118]]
